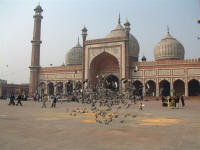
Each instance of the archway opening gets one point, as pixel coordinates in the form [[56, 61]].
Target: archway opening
[[59, 88], [179, 88], [138, 88], [164, 88], [42, 88], [150, 88], [69, 87], [103, 64], [112, 83], [194, 88], [78, 85], [50, 88]]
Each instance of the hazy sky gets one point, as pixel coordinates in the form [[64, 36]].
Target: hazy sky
[[63, 20]]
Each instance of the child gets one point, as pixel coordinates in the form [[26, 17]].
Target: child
[[141, 106]]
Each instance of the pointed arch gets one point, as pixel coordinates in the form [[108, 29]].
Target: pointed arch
[[179, 88], [193, 88], [69, 87], [100, 55], [50, 88], [103, 64], [138, 87], [164, 88], [42, 88], [151, 90], [59, 88]]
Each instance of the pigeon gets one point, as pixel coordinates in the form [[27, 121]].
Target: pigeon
[[126, 115], [128, 106], [85, 81], [116, 116], [96, 116], [136, 69], [134, 116], [148, 87], [123, 79], [122, 121], [106, 122], [119, 107], [98, 121]]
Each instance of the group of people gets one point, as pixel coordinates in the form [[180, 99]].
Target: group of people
[[173, 101], [36, 97], [12, 100], [44, 99]]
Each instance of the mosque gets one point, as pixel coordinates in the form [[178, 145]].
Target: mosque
[[115, 56]]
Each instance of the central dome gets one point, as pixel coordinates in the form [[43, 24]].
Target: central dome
[[169, 48], [119, 31], [75, 55]]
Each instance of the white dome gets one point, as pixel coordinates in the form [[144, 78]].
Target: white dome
[[119, 31], [169, 48], [75, 55]]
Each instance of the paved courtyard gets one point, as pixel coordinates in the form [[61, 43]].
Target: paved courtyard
[[155, 128]]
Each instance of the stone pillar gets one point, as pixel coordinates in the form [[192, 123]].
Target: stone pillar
[[55, 88], [171, 88], [64, 88], [35, 57], [157, 89], [186, 87], [144, 90], [45, 89]]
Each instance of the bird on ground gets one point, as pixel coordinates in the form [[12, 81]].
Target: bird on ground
[[134, 116], [122, 121], [119, 107], [128, 106]]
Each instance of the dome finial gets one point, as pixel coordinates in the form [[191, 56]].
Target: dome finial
[[119, 19], [78, 43], [168, 29]]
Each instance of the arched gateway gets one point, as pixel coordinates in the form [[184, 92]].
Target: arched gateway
[[107, 65]]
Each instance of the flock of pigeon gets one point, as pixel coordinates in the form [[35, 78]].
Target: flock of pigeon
[[104, 104]]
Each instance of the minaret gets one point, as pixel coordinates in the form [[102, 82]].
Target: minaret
[[35, 57], [127, 63], [84, 35]]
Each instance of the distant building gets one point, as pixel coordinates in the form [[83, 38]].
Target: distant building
[[16, 89], [12, 89], [115, 57], [3, 84]]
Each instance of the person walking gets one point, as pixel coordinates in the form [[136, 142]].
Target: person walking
[[44, 100], [19, 98], [168, 102], [182, 101], [54, 102], [174, 101], [12, 98], [177, 101], [134, 99]]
